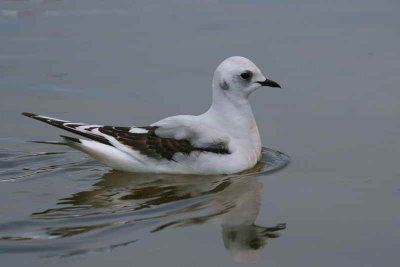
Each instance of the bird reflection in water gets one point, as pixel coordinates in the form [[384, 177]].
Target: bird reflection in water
[[162, 201]]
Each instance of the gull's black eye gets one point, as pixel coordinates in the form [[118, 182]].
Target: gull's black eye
[[246, 75]]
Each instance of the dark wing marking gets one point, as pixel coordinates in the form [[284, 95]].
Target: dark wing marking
[[69, 126], [153, 146], [72, 139], [148, 144]]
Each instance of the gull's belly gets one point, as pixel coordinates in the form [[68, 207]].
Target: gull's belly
[[211, 163], [195, 163], [243, 156]]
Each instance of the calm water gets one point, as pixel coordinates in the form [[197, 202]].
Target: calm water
[[135, 62]]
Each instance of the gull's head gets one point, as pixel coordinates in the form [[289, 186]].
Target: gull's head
[[239, 77]]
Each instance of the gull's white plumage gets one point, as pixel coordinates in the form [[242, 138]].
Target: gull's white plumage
[[224, 139]]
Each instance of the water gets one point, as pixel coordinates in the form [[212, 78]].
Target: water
[[97, 219], [135, 62]]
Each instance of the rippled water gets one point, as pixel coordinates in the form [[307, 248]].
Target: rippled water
[[122, 208]]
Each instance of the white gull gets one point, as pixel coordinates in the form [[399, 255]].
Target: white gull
[[223, 140]]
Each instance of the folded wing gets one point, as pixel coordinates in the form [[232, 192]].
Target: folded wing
[[144, 140]]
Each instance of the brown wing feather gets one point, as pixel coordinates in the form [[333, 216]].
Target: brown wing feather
[[153, 146], [148, 144]]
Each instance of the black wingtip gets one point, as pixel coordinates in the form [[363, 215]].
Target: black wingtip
[[28, 114], [72, 139]]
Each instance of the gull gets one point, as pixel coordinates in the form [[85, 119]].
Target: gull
[[223, 140]]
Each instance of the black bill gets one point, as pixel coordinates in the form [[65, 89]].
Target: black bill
[[269, 83]]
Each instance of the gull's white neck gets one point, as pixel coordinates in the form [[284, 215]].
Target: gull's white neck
[[234, 113]]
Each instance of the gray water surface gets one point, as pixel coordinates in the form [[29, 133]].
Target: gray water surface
[[135, 62], [97, 220]]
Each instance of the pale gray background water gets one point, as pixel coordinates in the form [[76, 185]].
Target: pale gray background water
[[134, 62]]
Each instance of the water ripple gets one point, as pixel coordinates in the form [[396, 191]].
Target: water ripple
[[99, 219]]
